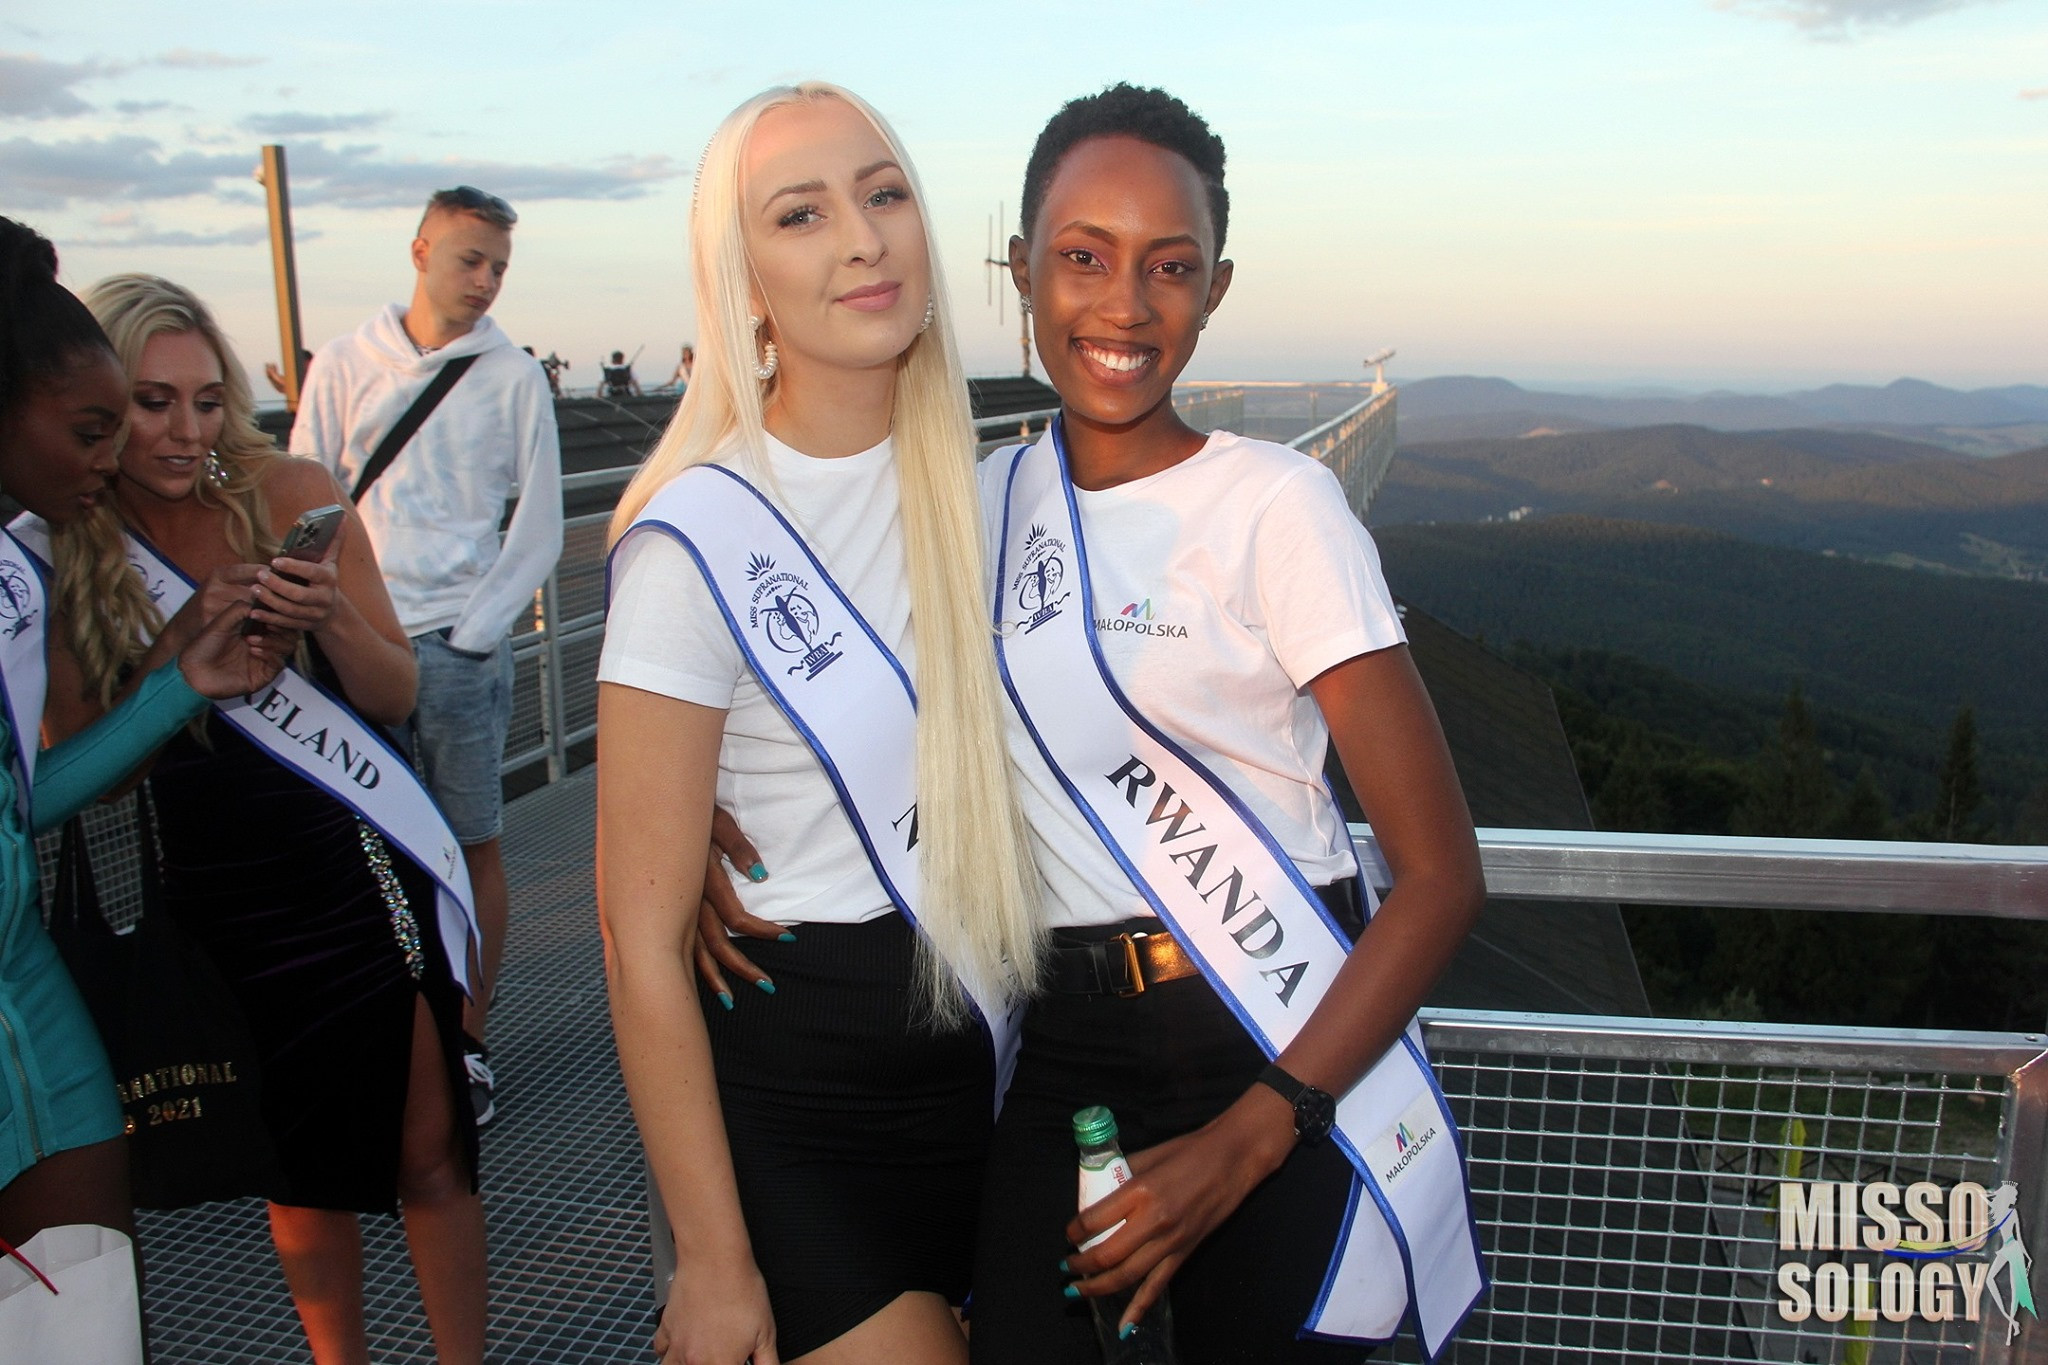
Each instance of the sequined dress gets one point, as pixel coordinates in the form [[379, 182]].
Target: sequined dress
[[326, 937]]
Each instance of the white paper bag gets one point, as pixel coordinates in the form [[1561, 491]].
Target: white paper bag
[[94, 1317]]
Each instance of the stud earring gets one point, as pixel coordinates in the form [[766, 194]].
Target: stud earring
[[216, 470], [1203, 326], [765, 369], [1024, 302], [931, 307]]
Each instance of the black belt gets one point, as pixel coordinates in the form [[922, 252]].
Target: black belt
[[1125, 965], [1129, 963]]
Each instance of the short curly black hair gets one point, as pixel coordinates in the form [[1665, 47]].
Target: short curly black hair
[[1125, 110]]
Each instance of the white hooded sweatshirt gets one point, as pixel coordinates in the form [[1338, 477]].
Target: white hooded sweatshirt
[[434, 513]]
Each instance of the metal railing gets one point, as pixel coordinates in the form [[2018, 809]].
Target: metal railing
[[1358, 446], [1624, 1171], [1204, 409]]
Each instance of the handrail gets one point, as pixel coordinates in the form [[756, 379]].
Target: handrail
[[1985, 880]]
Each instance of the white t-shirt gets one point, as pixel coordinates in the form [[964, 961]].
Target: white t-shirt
[[1223, 586], [665, 634]]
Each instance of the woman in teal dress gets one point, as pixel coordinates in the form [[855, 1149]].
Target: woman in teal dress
[[62, 400]]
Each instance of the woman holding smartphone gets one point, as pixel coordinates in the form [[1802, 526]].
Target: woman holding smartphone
[[62, 400], [326, 933], [796, 631]]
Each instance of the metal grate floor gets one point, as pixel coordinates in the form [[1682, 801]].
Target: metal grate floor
[[563, 1188]]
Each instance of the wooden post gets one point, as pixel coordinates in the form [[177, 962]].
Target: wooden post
[[284, 266]]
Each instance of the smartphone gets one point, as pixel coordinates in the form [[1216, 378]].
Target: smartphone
[[313, 532], [308, 539]]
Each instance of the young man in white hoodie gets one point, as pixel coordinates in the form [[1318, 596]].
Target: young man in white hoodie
[[434, 513]]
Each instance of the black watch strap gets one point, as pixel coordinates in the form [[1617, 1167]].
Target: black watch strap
[[1314, 1110]]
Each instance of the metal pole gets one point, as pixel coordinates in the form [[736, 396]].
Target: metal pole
[[284, 266]]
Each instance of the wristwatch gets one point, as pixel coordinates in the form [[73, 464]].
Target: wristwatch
[[1314, 1110]]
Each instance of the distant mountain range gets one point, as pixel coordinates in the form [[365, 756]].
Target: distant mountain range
[[1860, 494], [1978, 421]]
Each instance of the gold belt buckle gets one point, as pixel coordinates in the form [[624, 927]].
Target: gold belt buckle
[[1137, 968]]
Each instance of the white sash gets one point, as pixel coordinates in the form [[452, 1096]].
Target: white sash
[[24, 667], [825, 669], [314, 733], [1248, 918]]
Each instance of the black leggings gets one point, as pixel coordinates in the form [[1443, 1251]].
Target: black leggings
[[1165, 1062]]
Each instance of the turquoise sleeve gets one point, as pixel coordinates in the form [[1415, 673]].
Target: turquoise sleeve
[[73, 774]]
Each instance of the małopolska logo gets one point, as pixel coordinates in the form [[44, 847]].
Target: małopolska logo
[[782, 610], [17, 601], [1038, 583], [1962, 1247], [1136, 619]]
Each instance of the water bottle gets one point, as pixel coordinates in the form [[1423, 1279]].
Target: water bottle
[[1103, 1168]]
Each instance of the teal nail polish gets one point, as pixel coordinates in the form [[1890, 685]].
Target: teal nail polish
[[765, 984], [785, 937], [1123, 1333], [725, 999], [1063, 1267], [1071, 1292], [757, 873]]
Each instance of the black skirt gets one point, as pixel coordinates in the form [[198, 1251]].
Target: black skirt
[[1166, 1062], [274, 879], [858, 1134]]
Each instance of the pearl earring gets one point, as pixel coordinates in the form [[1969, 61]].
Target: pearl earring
[[216, 470], [765, 369], [931, 307]]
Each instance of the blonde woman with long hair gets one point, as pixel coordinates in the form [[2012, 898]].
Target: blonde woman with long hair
[[800, 555], [326, 933]]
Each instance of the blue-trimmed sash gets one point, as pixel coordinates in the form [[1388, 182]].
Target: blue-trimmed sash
[[24, 667], [826, 670], [1237, 903], [314, 733]]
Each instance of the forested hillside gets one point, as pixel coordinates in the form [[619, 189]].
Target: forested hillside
[[1849, 493]]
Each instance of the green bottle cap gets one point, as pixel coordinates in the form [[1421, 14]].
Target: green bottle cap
[[1094, 1127]]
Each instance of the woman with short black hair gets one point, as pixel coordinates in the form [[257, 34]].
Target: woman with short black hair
[[1184, 622]]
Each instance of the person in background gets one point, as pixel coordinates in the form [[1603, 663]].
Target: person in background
[[325, 933], [433, 513], [618, 378], [552, 366], [684, 364], [63, 400]]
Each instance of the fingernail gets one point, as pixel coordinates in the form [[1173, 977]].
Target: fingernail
[[725, 999], [1063, 1267], [765, 984], [1071, 1292], [785, 937], [1123, 1333], [757, 873]]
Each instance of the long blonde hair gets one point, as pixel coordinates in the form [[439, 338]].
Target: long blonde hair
[[979, 906], [108, 610]]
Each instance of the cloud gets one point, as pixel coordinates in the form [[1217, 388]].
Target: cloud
[[142, 106], [2040, 94], [51, 174], [357, 177], [31, 87], [1838, 18], [194, 59], [289, 124], [130, 168]]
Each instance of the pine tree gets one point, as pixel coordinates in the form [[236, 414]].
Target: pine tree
[[1958, 793], [1865, 812], [1631, 798], [1793, 793]]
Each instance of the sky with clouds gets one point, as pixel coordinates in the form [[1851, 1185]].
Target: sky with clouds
[[1764, 193]]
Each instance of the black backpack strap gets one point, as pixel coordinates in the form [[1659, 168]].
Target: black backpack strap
[[422, 407]]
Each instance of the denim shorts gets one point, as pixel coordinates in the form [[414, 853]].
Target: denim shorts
[[458, 732]]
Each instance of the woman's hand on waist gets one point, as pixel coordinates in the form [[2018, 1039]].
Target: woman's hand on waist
[[721, 911], [1179, 1192]]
